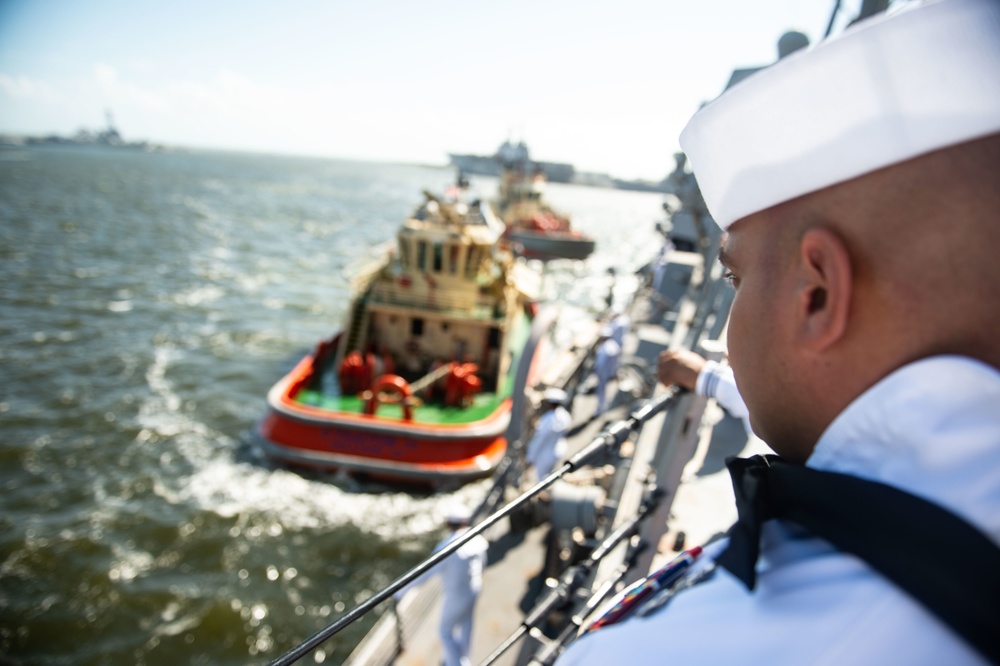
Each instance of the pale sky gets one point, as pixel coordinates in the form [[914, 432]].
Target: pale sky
[[606, 86]]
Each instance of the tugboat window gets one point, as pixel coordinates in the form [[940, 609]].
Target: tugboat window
[[438, 257], [416, 327], [421, 255], [472, 263], [453, 259]]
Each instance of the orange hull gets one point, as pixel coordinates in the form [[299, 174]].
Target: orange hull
[[385, 448]]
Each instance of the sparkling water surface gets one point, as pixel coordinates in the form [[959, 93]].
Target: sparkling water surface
[[147, 303]]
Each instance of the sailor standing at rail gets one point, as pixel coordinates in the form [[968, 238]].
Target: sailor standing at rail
[[605, 365], [548, 444], [462, 580], [857, 184], [659, 268], [620, 324]]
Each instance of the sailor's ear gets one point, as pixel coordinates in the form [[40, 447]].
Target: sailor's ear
[[825, 288]]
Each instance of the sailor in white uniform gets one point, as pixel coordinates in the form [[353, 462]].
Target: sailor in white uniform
[[462, 580], [857, 184], [605, 366], [660, 265], [620, 324], [548, 444]]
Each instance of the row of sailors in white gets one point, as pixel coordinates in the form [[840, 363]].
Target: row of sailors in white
[[854, 152]]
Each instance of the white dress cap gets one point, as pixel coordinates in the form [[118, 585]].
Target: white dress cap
[[555, 395], [888, 89], [456, 514]]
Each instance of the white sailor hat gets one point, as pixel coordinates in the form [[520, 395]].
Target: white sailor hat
[[555, 395], [457, 514], [888, 89]]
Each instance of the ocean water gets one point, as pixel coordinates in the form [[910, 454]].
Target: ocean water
[[147, 303]]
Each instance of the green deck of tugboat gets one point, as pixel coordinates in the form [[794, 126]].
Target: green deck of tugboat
[[482, 407], [433, 413]]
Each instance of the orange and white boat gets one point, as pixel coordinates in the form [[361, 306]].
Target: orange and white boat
[[438, 345], [533, 227]]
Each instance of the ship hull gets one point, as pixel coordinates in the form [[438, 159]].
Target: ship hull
[[382, 447]]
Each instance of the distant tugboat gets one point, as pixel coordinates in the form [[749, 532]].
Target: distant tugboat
[[418, 387], [534, 228]]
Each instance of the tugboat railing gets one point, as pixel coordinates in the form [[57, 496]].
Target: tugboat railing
[[610, 438], [464, 298]]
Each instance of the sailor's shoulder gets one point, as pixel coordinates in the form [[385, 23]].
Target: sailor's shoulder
[[474, 547]]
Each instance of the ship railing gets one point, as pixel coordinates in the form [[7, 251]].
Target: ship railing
[[609, 440]]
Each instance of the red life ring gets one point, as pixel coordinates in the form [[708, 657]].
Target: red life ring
[[390, 390]]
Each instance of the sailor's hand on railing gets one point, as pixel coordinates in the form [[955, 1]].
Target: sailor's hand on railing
[[679, 367]]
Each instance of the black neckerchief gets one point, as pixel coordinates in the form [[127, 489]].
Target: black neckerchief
[[899, 535]]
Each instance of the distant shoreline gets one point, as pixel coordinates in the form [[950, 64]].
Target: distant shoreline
[[585, 179]]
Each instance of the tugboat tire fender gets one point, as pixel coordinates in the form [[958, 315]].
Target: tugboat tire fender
[[390, 390]]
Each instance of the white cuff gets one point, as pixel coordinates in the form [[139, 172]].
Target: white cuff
[[708, 379]]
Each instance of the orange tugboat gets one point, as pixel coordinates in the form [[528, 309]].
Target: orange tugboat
[[419, 385], [533, 227]]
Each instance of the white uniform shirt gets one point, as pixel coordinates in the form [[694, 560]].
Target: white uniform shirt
[[619, 327], [606, 361], [461, 572], [932, 429], [548, 445]]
